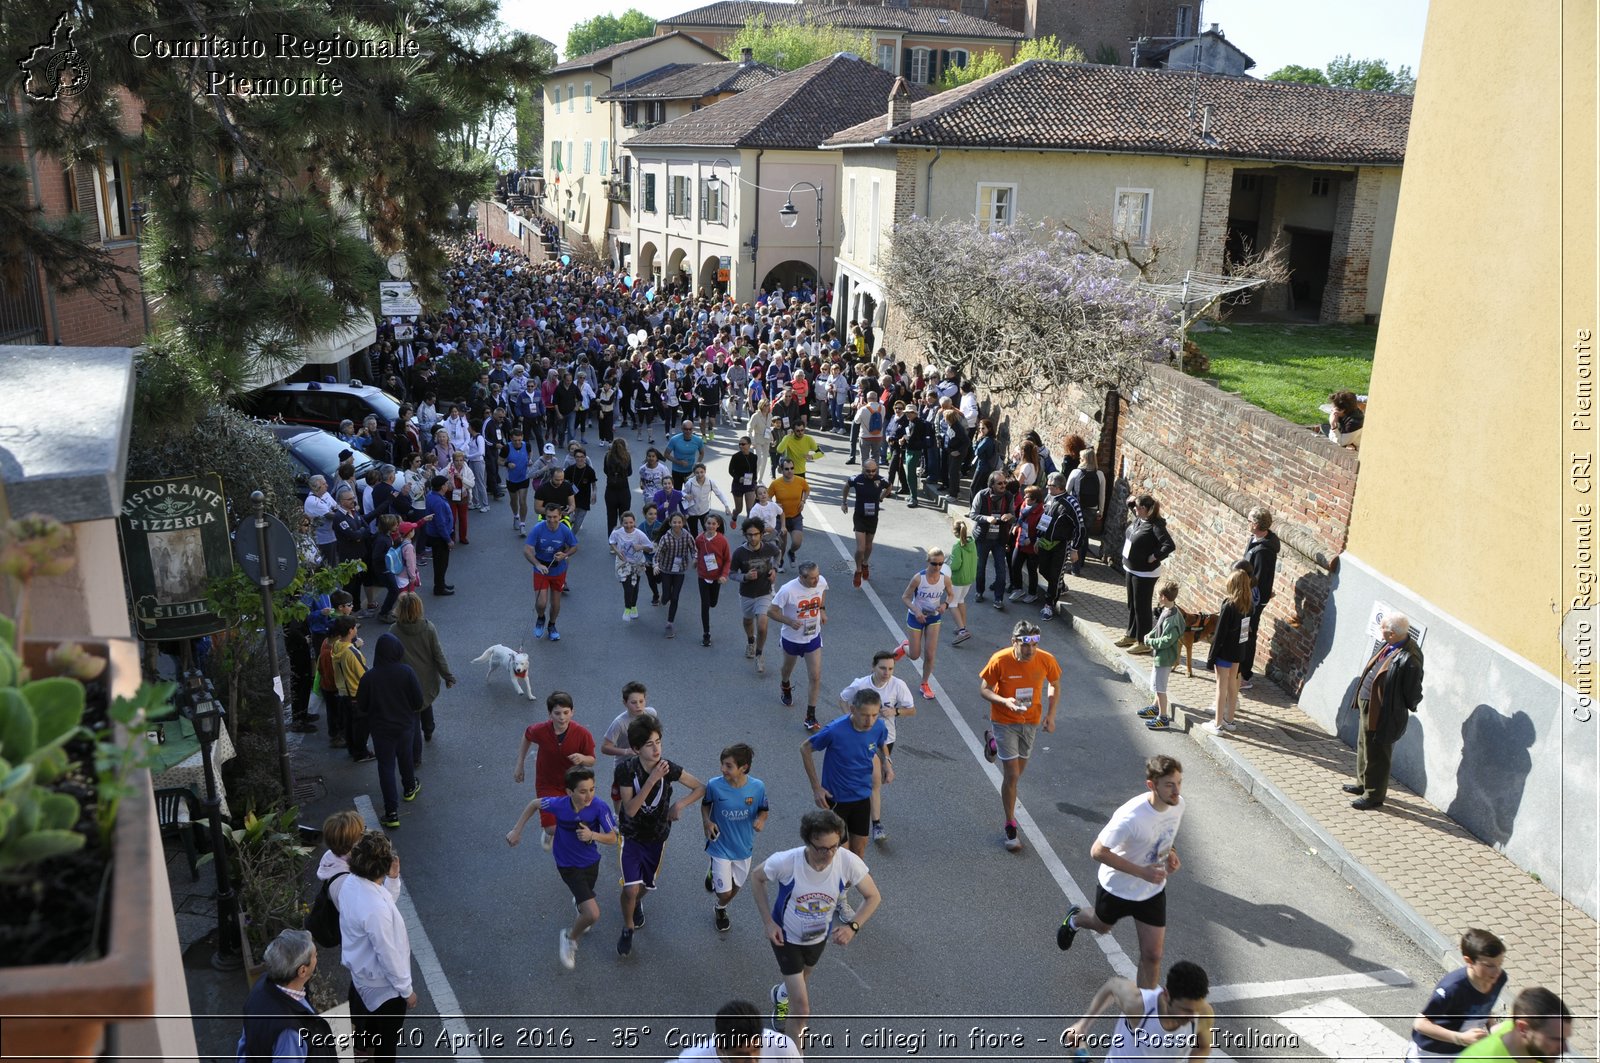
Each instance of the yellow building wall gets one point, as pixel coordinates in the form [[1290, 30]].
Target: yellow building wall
[[1464, 457]]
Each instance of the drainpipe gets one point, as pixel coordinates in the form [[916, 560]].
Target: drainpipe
[[928, 204], [755, 229]]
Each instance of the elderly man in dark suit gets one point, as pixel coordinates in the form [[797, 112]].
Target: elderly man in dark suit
[[1387, 694]]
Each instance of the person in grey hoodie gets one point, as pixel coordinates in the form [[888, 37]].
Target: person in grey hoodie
[[426, 658], [390, 697], [1261, 554]]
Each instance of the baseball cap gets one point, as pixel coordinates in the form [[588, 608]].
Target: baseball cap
[[549, 448]]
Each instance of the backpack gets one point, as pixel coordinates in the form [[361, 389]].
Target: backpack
[[1089, 490], [323, 919], [875, 424], [394, 562]]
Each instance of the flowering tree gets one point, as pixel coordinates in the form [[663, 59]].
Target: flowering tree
[[1026, 307]]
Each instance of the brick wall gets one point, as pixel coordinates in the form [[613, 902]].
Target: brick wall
[[905, 185], [1208, 457], [494, 224], [1354, 220], [1092, 23], [1214, 203]]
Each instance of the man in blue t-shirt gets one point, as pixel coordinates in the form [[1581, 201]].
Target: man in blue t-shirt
[[684, 450], [735, 807], [854, 764], [549, 544], [581, 822]]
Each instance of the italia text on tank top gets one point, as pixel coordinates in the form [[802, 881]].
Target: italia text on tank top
[[1148, 1039], [929, 594]]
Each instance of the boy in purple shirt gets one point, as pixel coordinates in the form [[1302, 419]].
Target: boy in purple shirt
[[581, 822]]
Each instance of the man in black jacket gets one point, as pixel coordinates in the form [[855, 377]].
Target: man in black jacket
[[1261, 554], [390, 698], [279, 1023], [1060, 536], [1387, 694]]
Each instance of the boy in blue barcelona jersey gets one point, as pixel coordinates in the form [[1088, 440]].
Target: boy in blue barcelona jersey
[[548, 546], [735, 807], [581, 823], [855, 763]]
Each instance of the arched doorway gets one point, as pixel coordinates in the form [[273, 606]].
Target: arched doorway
[[789, 274], [646, 264], [677, 273], [708, 276]]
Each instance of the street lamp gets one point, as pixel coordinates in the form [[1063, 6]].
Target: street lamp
[[789, 216], [198, 703]]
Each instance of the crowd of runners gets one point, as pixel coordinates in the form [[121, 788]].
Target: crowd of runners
[[567, 353]]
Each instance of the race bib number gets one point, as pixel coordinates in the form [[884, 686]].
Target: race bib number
[[709, 560], [748, 479], [869, 508], [810, 626], [677, 564], [455, 496], [1024, 695], [1044, 524], [1244, 630]]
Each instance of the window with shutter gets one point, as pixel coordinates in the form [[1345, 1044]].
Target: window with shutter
[[905, 63], [81, 182], [704, 196], [944, 64], [672, 197]]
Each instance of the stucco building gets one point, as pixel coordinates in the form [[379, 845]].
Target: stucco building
[[708, 185], [1191, 164]]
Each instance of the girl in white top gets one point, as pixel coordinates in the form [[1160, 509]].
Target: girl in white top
[[480, 475], [768, 512], [375, 946], [697, 492], [927, 597]]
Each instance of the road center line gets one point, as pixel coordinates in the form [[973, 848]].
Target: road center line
[[1119, 960], [433, 976]]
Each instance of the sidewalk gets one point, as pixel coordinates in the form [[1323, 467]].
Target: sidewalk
[[1427, 875]]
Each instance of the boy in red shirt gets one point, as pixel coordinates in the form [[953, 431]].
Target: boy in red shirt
[[563, 745]]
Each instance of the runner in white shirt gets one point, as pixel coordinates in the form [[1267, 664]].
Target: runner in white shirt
[[1171, 1023], [1136, 854], [740, 1035], [809, 881], [769, 513], [926, 598], [799, 606], [897, 702]]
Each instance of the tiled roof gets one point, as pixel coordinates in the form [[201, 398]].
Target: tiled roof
[[1084, 107], [610, 52], [927, 22], [797, 110], [688, 81]]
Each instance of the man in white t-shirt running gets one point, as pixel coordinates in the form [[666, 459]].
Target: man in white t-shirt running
[[809, 881], [1136, 854], [897, 702], [1170, 1024], [800, 607], [740, 1035]]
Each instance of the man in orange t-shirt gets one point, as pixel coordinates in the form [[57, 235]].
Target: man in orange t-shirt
[[790, 492], [1014, 684]]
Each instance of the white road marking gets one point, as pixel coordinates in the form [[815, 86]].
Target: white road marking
[[444, 997], [1120, 962], [1342, 1033], [1332, 983]]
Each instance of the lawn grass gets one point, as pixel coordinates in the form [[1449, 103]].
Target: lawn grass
[[1290, 369]]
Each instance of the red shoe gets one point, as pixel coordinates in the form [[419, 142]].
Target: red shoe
[[857, 579], [866, 573], [900, 650], [927, 691]]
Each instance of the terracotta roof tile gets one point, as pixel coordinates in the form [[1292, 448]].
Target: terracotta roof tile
[[930, 22], [610, 52], [683, 81], [1082, 106], [797, 110]]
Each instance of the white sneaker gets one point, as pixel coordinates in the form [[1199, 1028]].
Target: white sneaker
[[1015, 596], [567, 950], [880, 833], [1213, 726], [844, 909], [1231, 726], [1030, 598]]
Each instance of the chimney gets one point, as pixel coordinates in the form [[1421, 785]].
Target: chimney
[[1216, 27], [899, 103], [746, 56]]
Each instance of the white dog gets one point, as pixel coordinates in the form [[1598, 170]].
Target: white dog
[[513, 661]]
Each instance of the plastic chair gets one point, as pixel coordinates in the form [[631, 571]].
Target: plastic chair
[[168, 803]]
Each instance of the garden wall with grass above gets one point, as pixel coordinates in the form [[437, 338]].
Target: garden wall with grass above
[[1208, 457]]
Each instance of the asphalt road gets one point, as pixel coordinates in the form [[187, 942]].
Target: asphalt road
[[961, 959]]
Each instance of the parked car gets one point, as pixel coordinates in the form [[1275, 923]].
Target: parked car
[[324, 406], [314, 452]]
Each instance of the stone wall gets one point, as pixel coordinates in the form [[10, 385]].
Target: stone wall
[[500, 226], [1208, 457]]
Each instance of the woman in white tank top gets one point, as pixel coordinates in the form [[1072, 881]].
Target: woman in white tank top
[[927, 596]]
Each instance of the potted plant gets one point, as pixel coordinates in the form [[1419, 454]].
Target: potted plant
[[77, 828]]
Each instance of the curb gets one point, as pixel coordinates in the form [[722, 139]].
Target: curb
[[1429, 938]]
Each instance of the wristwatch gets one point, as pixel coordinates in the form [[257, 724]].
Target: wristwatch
[[855, 927]]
